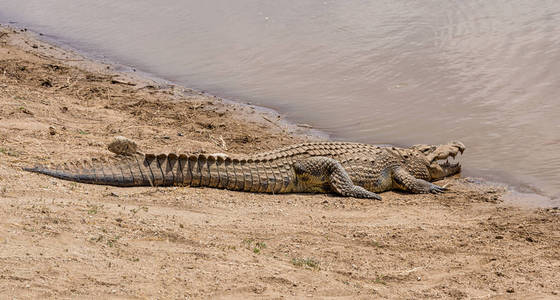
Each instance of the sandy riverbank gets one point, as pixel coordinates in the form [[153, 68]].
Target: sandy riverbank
[[62, 239]]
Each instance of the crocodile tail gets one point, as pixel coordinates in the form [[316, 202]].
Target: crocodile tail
[[125, 173], [157, 170], [217, 171]]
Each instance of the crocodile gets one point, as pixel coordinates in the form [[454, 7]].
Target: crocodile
[[344, 168]]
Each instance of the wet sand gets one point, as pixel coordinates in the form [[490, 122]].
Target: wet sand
[[61, 239]]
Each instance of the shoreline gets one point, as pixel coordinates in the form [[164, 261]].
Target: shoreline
[[88, 61], [62, 239]]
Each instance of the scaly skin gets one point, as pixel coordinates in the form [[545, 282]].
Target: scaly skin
[[347, 169]]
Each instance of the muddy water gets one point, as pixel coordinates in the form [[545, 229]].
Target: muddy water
[[398, 72]]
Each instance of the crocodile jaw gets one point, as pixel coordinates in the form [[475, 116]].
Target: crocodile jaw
[[437, 158], [440, 170]]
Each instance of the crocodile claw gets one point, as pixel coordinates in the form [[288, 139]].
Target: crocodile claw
[[436, 189], [376, 197]]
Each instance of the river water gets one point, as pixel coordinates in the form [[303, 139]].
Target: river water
[[392, 72]]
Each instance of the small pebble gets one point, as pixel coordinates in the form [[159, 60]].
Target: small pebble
[[52, 130], [510, 290]]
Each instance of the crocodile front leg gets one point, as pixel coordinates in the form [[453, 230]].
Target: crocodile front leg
[[315, 172], [406, 182]]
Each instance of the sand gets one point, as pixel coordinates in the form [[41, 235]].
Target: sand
[[61, 239]]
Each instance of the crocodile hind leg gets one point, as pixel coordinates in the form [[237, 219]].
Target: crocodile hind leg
[[320, 170]]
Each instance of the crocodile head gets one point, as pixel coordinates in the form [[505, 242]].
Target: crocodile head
[[436, 158]]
